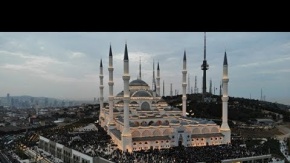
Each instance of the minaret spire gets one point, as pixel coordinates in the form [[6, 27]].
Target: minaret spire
[[225, 129], [225, 59], [184, 84], [110, 52], [126, 53]]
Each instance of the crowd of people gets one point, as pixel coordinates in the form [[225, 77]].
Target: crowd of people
[[98, 143], [187, 154], [92, 143]]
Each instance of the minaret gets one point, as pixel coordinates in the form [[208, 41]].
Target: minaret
[[225, 129], [220, 89], [111, 84], [153, 80], [188, 85], [204, 67], [210, 86], [101, 87], [195, 85], [163, 89], [184, 71], [158, 80], [126, 134], [140, 69]]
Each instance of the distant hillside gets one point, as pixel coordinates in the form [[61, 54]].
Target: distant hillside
[[240, 109]]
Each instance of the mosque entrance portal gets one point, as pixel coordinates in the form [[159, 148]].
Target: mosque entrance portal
[[179, 143], [180, 140]]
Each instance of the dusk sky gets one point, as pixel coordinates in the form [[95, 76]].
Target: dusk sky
[[66, 64]]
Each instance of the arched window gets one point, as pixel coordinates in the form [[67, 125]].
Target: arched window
[[146, 133], [144, 123], [145, 106], [136, 134], [136, 123], [157, 133], [205, 130], [196, 131], [166, 132], [214, 129], [150, 123]]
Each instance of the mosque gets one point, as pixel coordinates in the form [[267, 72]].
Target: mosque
[[139, 119]]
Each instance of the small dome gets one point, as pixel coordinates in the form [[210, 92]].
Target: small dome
[[184, 123], [138, 82], [203, 122], [193, 123], [176, 109], [121, 94], [133, 102], [211, 122], [167, 109]]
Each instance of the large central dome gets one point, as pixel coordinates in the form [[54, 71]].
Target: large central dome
[[138, 82]]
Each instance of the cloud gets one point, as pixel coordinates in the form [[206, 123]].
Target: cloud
[[274, 71], [67, 63], [265, 62], [75, 55]]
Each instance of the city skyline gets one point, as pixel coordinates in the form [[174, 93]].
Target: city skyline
[[66, 64]]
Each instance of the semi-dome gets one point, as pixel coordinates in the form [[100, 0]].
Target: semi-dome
[[138, 82], [142, 93]]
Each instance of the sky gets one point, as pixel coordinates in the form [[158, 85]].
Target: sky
[[65, 65]]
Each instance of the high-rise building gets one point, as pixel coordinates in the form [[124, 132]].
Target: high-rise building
[[8, 99]]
